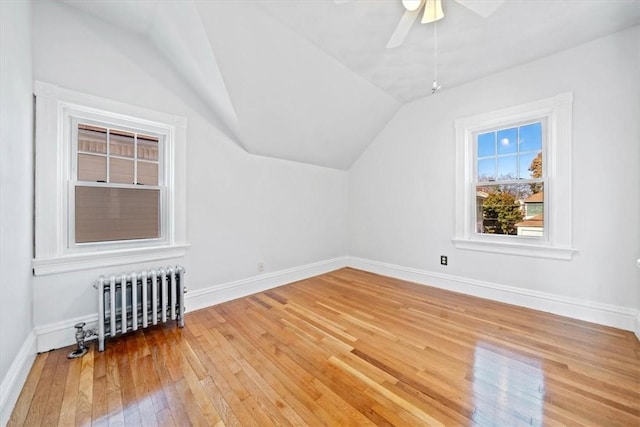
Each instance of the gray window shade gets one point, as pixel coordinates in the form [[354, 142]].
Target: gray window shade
[[105, 214], [92, 168], [121, 171], [147, 173]]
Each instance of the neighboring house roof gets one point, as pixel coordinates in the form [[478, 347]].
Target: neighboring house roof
[[534, 221], [535, 198], [482, 194]]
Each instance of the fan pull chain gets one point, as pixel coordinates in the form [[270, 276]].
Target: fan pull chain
[[435, 87]]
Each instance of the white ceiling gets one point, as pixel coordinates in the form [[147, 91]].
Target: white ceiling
[[312, 81]]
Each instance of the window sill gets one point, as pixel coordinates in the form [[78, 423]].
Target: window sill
[[87, 261], [520, 249]]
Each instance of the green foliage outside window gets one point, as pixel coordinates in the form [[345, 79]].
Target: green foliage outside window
[[501, 211]]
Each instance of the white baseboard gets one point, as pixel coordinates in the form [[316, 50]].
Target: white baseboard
[[201, 298], [603, 314], [636, 329], [62, 334], [15, 378]]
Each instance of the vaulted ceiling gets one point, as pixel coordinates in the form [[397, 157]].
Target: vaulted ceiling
[[311, 80]]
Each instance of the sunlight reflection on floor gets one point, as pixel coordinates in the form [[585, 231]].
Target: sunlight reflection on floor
[[508, 388]]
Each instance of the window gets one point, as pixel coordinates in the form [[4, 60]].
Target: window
[[117, 187], [109, 186], [509, 180], [513, 180]]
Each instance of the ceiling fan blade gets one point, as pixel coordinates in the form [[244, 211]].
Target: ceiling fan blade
[[483, 8], [403, 28], [432, 11]]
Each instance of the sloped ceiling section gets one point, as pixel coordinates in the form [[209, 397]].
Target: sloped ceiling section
[[162, 23], [191, 53], [311, 80], [270, 91], [294, 101]]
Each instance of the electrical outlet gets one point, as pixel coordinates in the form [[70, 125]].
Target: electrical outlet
[[443, 260], [260, 266]]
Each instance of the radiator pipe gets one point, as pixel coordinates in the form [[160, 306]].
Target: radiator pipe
[[81, 334]]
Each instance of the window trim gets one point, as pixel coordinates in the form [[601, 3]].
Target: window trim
[[54, 252], [557, 111]]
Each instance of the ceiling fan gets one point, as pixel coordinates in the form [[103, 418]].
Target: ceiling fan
[[433, 12]]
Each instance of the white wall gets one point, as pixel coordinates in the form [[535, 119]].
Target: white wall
[[16, 184], [401, 190], [242, 209]]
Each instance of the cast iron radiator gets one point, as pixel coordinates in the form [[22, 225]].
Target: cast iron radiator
[[139, 299]]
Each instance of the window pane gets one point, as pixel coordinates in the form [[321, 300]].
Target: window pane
[[507, 167], [530, 165], [515, 209], [531, 137], [487, 169], [533, 222], [108, 214], [121, 171], [92, 168], [487, 144], [508, 141], [121, 143], [92, 139], [499, 210], [147, 173], [147, 147]]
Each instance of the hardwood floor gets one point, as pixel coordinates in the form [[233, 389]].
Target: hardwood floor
[[347, 348]]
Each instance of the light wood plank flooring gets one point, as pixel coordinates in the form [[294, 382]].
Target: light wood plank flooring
[[347, 348]]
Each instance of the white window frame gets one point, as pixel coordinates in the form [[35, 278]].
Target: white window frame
[[57, 110], [556, 112]]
